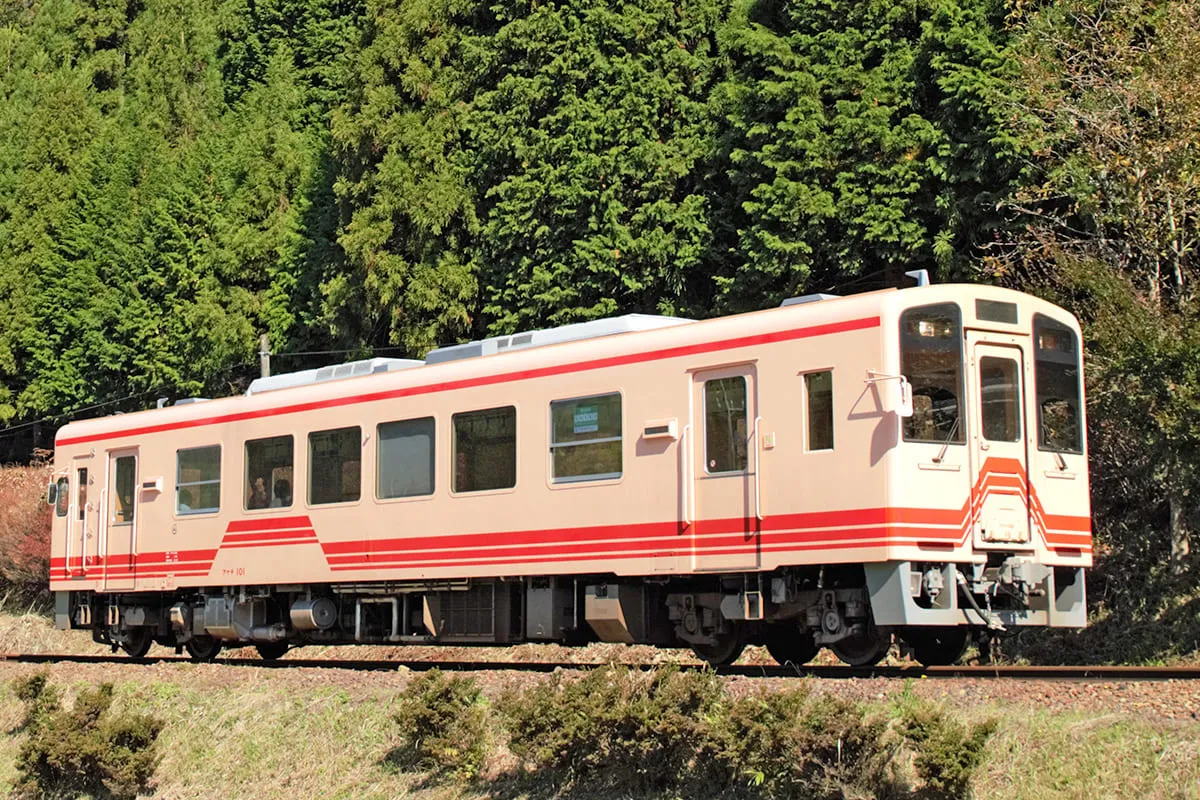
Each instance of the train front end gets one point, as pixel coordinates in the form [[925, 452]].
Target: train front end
[[988, 484]]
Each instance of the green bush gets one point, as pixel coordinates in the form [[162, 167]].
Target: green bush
[[947, 752], [794, 744], [87, 749], [443, 723], [617, 728]]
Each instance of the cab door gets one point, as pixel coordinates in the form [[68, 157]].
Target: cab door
[[725, 469], [999, 441], [117, 554]]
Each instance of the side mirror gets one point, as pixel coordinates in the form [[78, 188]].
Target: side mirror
[[52, 494], [904, 404]]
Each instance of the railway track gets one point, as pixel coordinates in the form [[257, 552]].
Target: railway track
[[1090, 673]]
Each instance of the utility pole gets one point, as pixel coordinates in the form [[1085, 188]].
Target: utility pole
[[264, 356]]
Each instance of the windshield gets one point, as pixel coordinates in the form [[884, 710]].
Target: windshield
[[1057, 380], [931, 359]]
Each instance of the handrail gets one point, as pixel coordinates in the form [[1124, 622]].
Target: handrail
[[685, 451], [70, 519], [102, 540], [758, 512]]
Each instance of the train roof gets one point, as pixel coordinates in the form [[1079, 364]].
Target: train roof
[[555, 351]]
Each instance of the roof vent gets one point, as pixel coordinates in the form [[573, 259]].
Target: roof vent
[[628, 323], [807, 298], [187, 401], [334, 372]]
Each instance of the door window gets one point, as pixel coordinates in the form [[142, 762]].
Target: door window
[[725, 425], [124, 481], [1000, 392]]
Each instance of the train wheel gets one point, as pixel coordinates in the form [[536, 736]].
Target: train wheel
[[202, 648], [271, 651], [724, 652], [137, 642], [938, 646], [789, 643], [863, 649]]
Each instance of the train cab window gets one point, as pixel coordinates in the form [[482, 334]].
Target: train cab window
[[268, 477], [818, 387], [931, 358], [334, 466], [124, 477], [62, 498], [726, 425], [405, 458], [83, 483], [1058, 387], [198, 480], [1000, 390], [485, 449], [585, 439]]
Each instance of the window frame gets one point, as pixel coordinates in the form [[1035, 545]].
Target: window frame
[[181, 485], [808, 418], [246, 480], [310, 472], [453, 434], [591, 478], [433, 462]]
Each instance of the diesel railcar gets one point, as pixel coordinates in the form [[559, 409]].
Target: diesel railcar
[[830, 473]]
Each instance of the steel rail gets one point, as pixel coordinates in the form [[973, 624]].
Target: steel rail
[[1022, 672]]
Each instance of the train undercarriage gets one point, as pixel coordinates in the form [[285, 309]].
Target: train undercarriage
[[794, 612]]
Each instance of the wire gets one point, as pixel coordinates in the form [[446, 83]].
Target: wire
[[70, 415]]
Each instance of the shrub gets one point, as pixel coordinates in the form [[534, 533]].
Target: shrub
[[88, 749], [947, 752], [443, 722], [25, 534], [618, 728], [794, 744]]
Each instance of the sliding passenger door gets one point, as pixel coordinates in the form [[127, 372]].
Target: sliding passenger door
[[118, 517], [724, 463]]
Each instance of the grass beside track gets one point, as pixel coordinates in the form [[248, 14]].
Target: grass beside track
[[264, 739], [249, 733]]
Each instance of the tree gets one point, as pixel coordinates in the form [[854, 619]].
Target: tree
[[862, 140], [1110, 224]]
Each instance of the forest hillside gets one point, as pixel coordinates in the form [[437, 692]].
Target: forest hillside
[[355, 177]]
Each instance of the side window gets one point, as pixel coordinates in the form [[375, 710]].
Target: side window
[[63, 499], [1000, 415], [405, 455], [198, 480], [485, 449], [124, 478], [334, 465], [818, 388], [585, 438], [726, 425], [268, 476], [83, 484], [931, 358], [1057, 379]]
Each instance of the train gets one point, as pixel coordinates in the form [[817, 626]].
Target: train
[[837, 472]]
